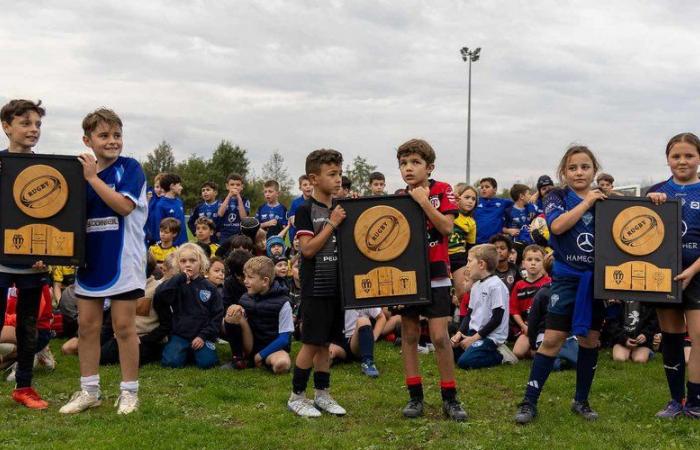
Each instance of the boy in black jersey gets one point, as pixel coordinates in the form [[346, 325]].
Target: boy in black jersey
[[321, 310]]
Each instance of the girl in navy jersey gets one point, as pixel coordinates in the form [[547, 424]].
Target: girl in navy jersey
[[683, 156], [572, 309]]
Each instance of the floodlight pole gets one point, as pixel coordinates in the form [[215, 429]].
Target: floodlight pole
[[470, 56]]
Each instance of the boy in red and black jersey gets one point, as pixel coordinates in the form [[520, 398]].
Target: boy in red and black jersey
[[416, 161]]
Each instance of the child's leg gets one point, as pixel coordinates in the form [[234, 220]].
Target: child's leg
[[640, 355], [337, 353], [234, 335], [279, 361], [673, 328], [175, 352], [70, 347], [587, 364], [362, 340], [124, 325], [8, 335], [485, 354], [543, 362], [443, 348], [89, 327], [302, 370], [27, 310], [247, 337], [620, 353], [693, 320], [410, 333], [206, 357], [521, 349], [322, 368]]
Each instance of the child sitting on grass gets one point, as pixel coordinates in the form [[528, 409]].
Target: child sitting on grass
[[360, 337]]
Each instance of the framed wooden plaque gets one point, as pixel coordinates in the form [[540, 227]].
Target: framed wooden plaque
[[383, 252], [42, 198], [638, 250]]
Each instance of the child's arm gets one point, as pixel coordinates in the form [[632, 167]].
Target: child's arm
[[120, 203], [312, 245], [216, 314], [242, 211], [192, 219], [565, 221], [224, 205], [284, 231], [285, 329], [442, 222], [57, 291]]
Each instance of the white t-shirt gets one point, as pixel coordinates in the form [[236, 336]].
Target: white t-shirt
[[286, 321], [487, 295], [351, 316]]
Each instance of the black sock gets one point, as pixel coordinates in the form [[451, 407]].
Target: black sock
[[585, 371], [322, 380], [300, 379], [234, 334], [539, 372], [674, 363], [366, 341], [415, 388], [693, 394], [448, 389]]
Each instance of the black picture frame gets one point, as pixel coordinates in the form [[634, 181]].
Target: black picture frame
[[668, 255], [71, 218], [353, 262]]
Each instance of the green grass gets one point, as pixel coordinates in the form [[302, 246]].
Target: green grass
[[190, 408]]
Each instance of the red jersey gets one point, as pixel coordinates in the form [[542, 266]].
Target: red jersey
[[522, 294], [45, 315], [442, 198]]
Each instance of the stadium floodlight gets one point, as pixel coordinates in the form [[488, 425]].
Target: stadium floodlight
[[471, 56]]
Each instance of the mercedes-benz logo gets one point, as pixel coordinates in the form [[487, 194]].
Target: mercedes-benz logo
[[585, 242]]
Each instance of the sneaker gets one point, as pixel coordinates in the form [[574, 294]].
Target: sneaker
[[29, 398], [302, 406], [127, 402], [672, 410], [526, 413], [324, 402], [692, 411], [13, 371], [508, 356], [453, 409], [45, 358], [413, 409], [584, 410], [423, 350], [369, 369], [430, 347], [80, 401]]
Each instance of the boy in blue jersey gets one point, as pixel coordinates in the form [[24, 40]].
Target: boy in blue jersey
[[115, 260], [544, 187], [21, 122], [233, 208], [170, 205], [306, 189], [272, 215], [155, 195], [208, 207], [519, 216], [490, 211]]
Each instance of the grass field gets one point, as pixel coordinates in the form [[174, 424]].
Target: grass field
[[189, 408]]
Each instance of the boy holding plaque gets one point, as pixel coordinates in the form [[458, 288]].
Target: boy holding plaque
[[416, 162], [21, 122]]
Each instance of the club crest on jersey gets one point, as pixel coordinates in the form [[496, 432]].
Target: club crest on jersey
[[587, 218], [204, 296], [435, 201]]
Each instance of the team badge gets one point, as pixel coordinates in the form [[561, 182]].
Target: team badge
[[204, 296]]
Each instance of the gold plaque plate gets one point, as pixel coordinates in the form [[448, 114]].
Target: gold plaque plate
[[638, 231], [385, 282], [382, 233], [40, 191], [638, 276], [40, 240]]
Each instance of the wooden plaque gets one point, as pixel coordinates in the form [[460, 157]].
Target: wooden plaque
[[383, 252], [42, 199], [638, 250]]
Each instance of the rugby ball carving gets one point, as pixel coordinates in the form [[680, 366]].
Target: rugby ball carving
[[638, 231], [382, 233], [40, 191]]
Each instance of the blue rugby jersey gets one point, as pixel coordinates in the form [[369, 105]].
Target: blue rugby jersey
[[689, 194], [170, 207], [268, 212], [296, 203], [230, 222], [490, 217], [204, 209], [521, 218], [115, 258], [575, 247]]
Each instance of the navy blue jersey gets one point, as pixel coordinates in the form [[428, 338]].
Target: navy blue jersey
[[296, 203], [170, 207], [230, 222], [539, 206], [521, 218], [204, 209], [689, 195], [575, 246], [269, 212], [490, 217]]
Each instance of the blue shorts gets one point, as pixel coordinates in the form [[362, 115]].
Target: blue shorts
[[560, 311]]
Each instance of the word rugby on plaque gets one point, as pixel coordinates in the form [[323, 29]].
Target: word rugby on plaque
[[383, 253], [42, 199], [638, 250]]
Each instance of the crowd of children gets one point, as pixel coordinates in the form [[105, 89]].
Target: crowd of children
[[510, 279]]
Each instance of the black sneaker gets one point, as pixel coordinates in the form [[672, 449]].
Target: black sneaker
[[526, 412], [413, 409], [584, 410], [453, 409]]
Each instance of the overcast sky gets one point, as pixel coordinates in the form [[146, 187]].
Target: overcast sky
[[363, 77]]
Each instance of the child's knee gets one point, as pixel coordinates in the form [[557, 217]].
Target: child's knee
[[281, 366], [363, 321], [441, 342], [124, 330], [88, 328], [640, 357]]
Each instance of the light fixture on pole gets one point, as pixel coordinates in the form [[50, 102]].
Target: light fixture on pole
[[471, 56]]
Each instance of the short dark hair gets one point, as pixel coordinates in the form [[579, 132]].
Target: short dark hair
[[500, 237], [605, 177], [376, 176], [233, 176], [517, 190], [242, 241], [167, 180], [272, 184], [489, 180], [205, 248], [320, 157], [210, 184], [205, 221], [170, 224], [20, 107], [236, 261], [346, 182], [303, 178], [419, 147], [102, 115]]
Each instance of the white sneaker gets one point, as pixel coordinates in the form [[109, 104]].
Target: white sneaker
[[430, 347], [302, 406], [423, 350], [127, 402], [508, 356], [45, 358], [13, 371], [80, 401], [324, 402]]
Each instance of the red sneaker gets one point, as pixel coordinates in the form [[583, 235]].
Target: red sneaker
[[29, 398]]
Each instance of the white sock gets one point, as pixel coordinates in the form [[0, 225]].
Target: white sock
[[129, 386], [90, 384]]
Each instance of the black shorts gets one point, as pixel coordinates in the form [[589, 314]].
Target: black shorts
[[23, 280], [345, 345], [130, 295], [691, 296], [457, 261], [560, 311], [441, 306], [322, 320]]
